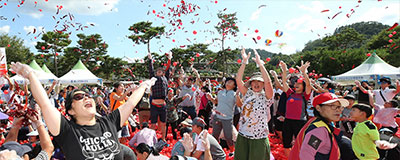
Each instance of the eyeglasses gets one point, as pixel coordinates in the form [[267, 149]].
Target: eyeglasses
[[80, 96], [335, 107]]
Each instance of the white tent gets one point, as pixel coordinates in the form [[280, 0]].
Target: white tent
[[44, 78], [371, 69], [47, 70], [79, 74]]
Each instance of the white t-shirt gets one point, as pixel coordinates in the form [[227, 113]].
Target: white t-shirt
[[197, 142], [159, 157], [387, 93]]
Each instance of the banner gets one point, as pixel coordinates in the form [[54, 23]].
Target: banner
[[3, 65], [3, 61]]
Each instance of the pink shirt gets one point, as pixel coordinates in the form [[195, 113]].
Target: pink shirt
[[385, 116], [316, 140]]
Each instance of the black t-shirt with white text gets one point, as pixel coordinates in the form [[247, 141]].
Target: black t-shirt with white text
[[99, 141]]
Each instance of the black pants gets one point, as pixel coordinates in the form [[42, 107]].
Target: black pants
[[236, 118], [174, 126], [206, 115], [291, 128]]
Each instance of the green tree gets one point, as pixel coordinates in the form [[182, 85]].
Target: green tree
[[91, 47], [348, 38], [368, 29], [99, 63], [53, 43], [143, 32], [381, 42], [226, 27], [16, 51]]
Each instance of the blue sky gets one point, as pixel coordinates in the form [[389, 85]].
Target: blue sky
[[112, 19]]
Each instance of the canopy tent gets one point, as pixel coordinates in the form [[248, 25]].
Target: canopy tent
[[44, 77], [47, 70], [79, 74], [371, 69]]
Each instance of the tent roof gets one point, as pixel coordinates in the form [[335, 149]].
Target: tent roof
[[79, 65], [35, 66], [79, 74], [43, 76], [370, 69], [44, 68]]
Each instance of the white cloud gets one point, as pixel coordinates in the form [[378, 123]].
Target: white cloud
[[5, 29], [305, 23], [85, 7], [256, 14], [316, 7], [28, 29], [381, 14]]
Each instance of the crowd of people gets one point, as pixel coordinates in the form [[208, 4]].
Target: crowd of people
[[226, 118]]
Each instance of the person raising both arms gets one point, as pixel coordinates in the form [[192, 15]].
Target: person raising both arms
[[85, 136], [158, 109], [252, 141]]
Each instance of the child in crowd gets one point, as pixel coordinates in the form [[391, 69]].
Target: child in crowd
[[346, 123], [386, 113], [365, 138]]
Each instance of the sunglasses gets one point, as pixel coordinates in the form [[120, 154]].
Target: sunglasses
[[80, 96]]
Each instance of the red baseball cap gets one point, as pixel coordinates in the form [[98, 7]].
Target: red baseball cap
[[326, 98]]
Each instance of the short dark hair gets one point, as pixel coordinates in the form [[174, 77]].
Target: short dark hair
[[364, 108], [206, 89], [230, 79], [185, 130], [145, 125], [160, 68], [143, 147], [191, 79], [116, 85], [70, 86], [394, 103]]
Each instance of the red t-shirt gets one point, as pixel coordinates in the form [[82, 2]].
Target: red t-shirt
[[295, 107]]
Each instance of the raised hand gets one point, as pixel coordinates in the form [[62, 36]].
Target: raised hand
[[357, 83], [274, 74], [21, 69], [303, 67], [245, 58], [36, 117], [257, 58], [205, 141], [149, 56], [187, 142], [149, 83], [283, 66]]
